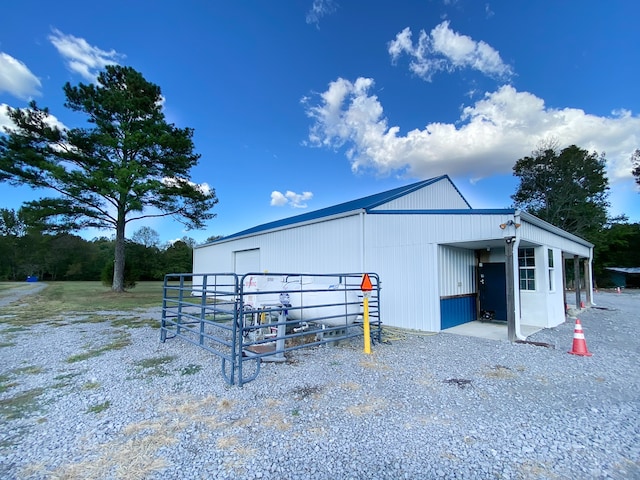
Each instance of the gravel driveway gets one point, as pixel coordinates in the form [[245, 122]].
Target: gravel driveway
[[81, 398]]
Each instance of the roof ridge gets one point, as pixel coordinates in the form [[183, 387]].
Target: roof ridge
[[362, 203]]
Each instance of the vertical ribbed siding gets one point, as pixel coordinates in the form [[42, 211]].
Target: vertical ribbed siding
[[535, 234], [440, 195], [456, 271], [396, 249], [324, 247], [456, 311], [403, 249]]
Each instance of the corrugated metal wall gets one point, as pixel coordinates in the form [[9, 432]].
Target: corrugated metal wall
[[457, 271], [537, 235], [440, 195], [409, 278], [325, 247], [438, 228], [416, 270], [457, 310], [457, 276]]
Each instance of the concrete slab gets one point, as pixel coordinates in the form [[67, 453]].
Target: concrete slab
[[490, 330]]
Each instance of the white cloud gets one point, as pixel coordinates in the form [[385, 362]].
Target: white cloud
[[488, 138], [278, 199], [5, 121], [16, 78], [204, 188], [319, 9], [444, 49], [296, 200], [81, 57]]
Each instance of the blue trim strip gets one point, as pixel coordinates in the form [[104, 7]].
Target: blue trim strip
[[471, 211]]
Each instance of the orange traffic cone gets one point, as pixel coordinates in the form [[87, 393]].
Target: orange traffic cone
[[579, 343]]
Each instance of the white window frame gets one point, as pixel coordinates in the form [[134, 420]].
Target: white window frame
[[551, 269], [527, 268]]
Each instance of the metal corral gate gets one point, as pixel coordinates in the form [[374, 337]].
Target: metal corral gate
[[248, 319]]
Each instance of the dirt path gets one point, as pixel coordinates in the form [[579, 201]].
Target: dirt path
[[21, 290]]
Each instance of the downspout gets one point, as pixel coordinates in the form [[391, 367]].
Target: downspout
[[519, 334], [512, 240]]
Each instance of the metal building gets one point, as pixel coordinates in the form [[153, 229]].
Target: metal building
[[441, 263]]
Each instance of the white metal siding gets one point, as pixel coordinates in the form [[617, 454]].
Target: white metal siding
[[402, 248], [246, 261], [542, 307], [437, 196], [437, 228], [537, 235], [457, 271], [407, 262], [323, 247]]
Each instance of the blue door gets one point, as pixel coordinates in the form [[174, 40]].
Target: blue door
[[493, 291]]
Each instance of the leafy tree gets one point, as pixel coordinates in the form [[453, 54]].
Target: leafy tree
[[145, 262], [617, 247], [212, 238], [635, 160], [568, 189], [179, 256], [146, 236], [127, 164], [11, 223]]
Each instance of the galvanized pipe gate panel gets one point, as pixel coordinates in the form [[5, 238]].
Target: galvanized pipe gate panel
[[258, 317]]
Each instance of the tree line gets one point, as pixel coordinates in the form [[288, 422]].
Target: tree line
[[28, 252]]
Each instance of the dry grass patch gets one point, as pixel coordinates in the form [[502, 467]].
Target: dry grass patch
[[133, 459], [227, 442], [188, 406], [500, 372], [531, 469], [352, 386], [275, 420], [374, 364], [272, 402], [372, 406]]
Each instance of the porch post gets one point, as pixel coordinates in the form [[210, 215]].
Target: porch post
[[588, 285], [576, 279], [564, 282]]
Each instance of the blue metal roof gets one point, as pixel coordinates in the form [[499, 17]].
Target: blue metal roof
[[364, 203]]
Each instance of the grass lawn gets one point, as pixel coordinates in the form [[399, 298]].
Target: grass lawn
[[59, 298]]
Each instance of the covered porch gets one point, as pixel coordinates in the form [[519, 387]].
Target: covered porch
[[520, 280]]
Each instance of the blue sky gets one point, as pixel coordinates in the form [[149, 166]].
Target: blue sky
[[304, 104]]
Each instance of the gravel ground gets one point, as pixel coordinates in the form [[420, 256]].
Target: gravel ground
[[419, 407]]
